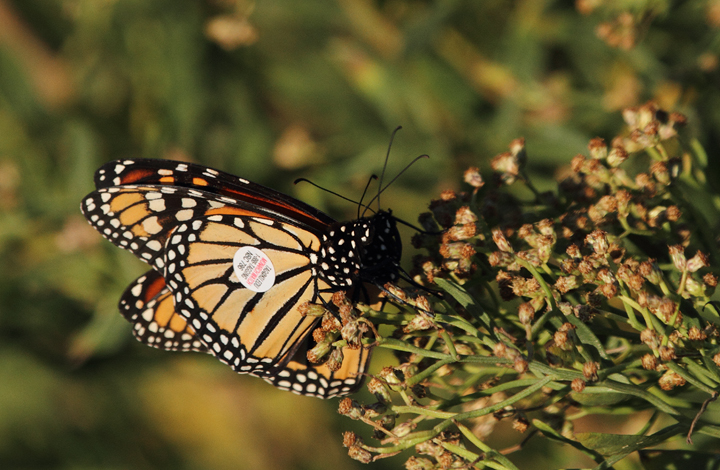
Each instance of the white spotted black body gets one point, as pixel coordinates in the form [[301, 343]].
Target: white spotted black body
[[363, 250]]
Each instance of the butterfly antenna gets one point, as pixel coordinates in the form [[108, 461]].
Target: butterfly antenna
[[380, 191], [305, 180], [387, 157], [360, 204], [416, 228]]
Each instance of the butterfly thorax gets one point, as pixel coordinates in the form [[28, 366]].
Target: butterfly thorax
[[362, 250]]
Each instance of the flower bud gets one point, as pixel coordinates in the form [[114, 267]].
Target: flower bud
[[520, 365], [329, 323], [419, 463], [696, 334], [358, 453], [598, 241], [649, 362], [526, 313], [473, 177], [499, 350], [350, 332], [623, 198], [650, 271], [391, 379], [700, 260], [694, 287], [334, 362], [350, 408], [590, 370], [507, 165], [670, 380], [419, 322], [667, 353], [501, 241], [578, 385], [500, 259], [649, 337], [573, 251], [379, 389], [311, 310], [677, 254], [560, 338], [598, 148], [317, 353], [403, 429], [616, 156], [520, 424]]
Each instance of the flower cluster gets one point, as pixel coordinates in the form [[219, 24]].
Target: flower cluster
[[545, 304], [332, 335]]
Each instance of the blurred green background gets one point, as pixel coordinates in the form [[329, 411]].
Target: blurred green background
[[271, 91]]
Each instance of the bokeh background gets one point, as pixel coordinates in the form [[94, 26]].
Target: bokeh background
[[272, 91]]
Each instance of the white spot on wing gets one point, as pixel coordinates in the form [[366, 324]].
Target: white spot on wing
[[184, 215]]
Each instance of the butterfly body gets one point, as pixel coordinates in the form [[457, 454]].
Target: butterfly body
[[359, 251], [232, 261]]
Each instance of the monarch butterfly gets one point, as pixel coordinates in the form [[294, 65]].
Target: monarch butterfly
[[232, 260]]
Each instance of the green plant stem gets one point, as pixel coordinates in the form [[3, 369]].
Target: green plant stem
[[392, 343], [497, 406], [490, 453], [425, 373], [449, 343], [647, 316], [629, 310]]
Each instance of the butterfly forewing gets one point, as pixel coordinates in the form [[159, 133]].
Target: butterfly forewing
[[251, 331], [190, 175]]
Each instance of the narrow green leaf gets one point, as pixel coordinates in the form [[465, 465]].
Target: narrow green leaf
[[466, 300], [553, 434], [587, 336], [599, 396], [612, 444]]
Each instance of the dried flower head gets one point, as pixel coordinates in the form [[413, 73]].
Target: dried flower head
[[520, 424], [670, 380], [473, 177], [590, 370], [649, 362]]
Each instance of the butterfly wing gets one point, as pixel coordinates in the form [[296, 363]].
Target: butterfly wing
[[319, 381], [251, 331], [188, 222], [148, 304], [190, 175]]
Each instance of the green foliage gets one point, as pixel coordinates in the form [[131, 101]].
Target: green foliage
[[272, 91], [555, 307]]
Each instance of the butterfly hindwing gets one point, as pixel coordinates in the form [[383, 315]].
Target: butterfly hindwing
[[148, 304], [298, 376]]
